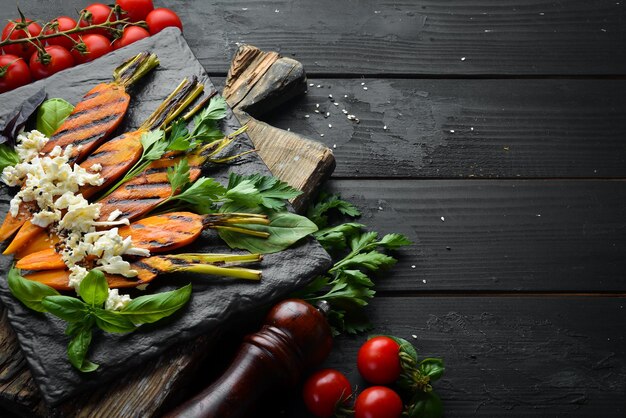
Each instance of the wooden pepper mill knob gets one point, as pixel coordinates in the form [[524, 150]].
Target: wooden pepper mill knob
[[295, 337]]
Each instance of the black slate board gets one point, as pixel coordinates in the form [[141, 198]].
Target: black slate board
[[214, 300]]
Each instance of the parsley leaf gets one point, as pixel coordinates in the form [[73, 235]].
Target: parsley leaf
[[201, 195], [178, 175], [257, 190], [326, 202]]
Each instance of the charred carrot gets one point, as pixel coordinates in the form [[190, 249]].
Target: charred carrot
[[150, 268], [157, 234], [93, 119]]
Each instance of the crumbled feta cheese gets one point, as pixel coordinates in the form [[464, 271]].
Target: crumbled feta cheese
[[114, 215], [77, 274], [30, 144], [96, 167], [115, 301]]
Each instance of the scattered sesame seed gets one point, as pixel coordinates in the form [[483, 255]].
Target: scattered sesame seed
[[471, 128], [380, 208], [424, 281], [539, 214], [541, 13], [345, 112], [288, 129], [330, 126], [414, 336], [317, 105], [487, 30], [385, 127], [336, 104], [330, 96], [462, 58], [413, 266], [321, 134], [603, 30], [364, 88], [307, 116], [362, 84], [327, 114], [351, 117], [276, 11], [443, 219], [334, 145], [319, 86], [345, 95], [451, 131], [311, 85], [244, 8], [317, 111]]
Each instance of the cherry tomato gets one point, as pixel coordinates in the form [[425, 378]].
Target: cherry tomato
[[161, 18], [62, 24], [91, 47], [14, 72], [56, 59], [24, 50], [135, 10], [131, 34], [378, 360], [96, 14], [378, 402], [324, 391]]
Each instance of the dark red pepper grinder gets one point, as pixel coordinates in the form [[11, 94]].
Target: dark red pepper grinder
[[294, 338]]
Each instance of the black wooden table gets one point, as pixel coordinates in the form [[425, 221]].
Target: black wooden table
[[492, 134]]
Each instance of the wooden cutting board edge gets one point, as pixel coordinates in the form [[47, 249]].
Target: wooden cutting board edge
[[257, 82]]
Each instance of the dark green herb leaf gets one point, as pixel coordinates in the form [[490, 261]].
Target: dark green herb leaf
[[372, 260], [65, 307], [203, 191], [94, 289], [29, 292], [425, 405], [77, 350], [8, 157], [394, 241], [51, 115], [270, 193], [285, 229], [336, 238], [318, 212], [432, 367], [216, 109], [178, 138], [113, 321], [150, 308], [178, 175], [154, 145], [405, 346]]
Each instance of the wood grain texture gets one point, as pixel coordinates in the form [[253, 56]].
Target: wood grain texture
[[465, 128], [522, 357], [499, 236], [428, 37]]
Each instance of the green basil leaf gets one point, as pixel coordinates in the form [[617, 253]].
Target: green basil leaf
[[51, 115], [8, 157], [29, 292], [94, 288], [112, 321], [425, 405], [432, 367], [77, 350], [150, 308], [65, 307]]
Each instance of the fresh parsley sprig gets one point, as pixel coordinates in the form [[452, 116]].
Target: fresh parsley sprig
[[347, 286], [205, 127], [83, 315]]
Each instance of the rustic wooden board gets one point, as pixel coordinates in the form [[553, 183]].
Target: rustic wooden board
[[510, 356], [149, 389], [499, 236], [466, 128], [428, 37]]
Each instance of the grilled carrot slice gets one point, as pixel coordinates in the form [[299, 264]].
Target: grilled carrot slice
[[93, 119], [101, 110], [149, 268], [157, 234]]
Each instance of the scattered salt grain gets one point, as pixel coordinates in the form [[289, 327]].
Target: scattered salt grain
[[451, 131], [345, 112], [330, 126], [443, 219], [380, 208], [327, 114], [364, 88], [462, 58], [307, 116], [316, 111], [413, 266], [321, 134], [334, 145], [336, 104], [424, 281], [385, 127], [471, 128], [414, 336], [311, 85], [330, 96], [319, 86], [317, 105]]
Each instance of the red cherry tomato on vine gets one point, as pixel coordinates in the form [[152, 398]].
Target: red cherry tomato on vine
[[56, 59], [378, 402], [135, 10], [92, 47], [131, 34], [96, 14], [324, 391], [378, 360], [62, 24], [161, 18], [14, 72], [24, 50]]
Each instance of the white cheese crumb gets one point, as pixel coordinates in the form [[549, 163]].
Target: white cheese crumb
[[114, 215], [30, 144], [115, 301], [96, 168]]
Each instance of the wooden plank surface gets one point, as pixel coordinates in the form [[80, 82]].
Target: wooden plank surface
[[511, 356], [465, 128], [499, 236], [426, 37]]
